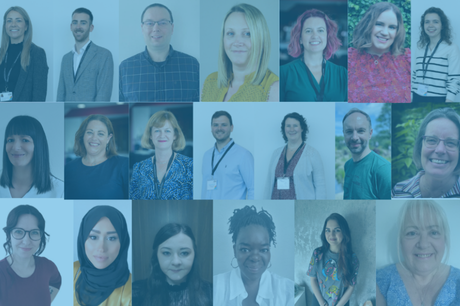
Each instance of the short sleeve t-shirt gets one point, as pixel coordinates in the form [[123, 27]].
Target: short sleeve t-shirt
[[325, 267]]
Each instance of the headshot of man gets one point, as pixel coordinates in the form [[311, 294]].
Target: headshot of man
[[87, 70], [227, 169], [159, 73], [367, 174]]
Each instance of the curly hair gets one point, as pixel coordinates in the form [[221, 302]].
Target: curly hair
[[295, 49], [248, 215], [302, 121], [446, 34]]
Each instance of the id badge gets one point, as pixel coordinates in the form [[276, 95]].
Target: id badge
[[422, 90], [212, 184], [6, 96], [282, 183]]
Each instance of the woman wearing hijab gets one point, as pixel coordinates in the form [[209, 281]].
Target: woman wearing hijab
[[101, 274]]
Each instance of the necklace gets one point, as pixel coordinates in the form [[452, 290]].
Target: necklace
[[375, 60], [422, 296]]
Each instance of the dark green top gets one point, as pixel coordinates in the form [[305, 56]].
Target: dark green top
[[295, 84]]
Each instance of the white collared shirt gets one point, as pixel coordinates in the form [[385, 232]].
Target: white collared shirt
[[274, 290], [78, 56]]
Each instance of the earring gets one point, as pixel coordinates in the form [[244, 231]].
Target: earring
[[231, 263]]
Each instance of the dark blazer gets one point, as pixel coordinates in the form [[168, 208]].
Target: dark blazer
[[32, 84]]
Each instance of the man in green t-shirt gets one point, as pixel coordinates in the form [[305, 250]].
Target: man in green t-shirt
[[367, 174]]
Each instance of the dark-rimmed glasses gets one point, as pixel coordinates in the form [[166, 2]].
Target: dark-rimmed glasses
[[432, 142], [19, 233]]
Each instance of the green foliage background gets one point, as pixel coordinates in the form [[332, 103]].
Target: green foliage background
[[357, 8]]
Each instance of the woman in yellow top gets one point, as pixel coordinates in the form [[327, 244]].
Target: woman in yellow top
[[101, 274], [244, 53]]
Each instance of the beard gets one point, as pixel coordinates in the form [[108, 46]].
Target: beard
[[357, 150], [83, 37]]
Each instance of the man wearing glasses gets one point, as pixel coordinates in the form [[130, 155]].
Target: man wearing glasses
[[367, 174], [160, 73]]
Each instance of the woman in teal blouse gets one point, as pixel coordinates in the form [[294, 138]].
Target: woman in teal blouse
[[311, 77]]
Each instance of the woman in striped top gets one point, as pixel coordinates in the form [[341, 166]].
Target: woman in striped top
[[436, 77]]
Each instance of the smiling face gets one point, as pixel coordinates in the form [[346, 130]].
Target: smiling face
[[293, 130], [384, 32], [25, 247], [20, 150], [433, 26], [163, 137], [252, 251], [81, 27], [103, 244], [439, 162], [15, 27], [333, 234], [221, 128], [176, 256], [314, 35], [357, 133], [237, 39], [157, 36], [96, 138]]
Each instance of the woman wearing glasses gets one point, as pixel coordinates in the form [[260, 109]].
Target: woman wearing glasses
[[435, 154], [26, 278]]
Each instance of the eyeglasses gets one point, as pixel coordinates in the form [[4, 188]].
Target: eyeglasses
[[19, 233], [433, 141], [162, 23]]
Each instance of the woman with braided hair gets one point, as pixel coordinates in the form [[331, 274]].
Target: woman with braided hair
[[249, 282]]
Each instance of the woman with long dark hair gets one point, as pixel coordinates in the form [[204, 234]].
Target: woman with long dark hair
[[334, 267], [175, 278]]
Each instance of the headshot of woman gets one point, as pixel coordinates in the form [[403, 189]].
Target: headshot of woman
[[435, 155], [167, 175], [312, 77], [99, 173], [296, 169], [421, 276], [244, 54], [250, 282], [24, 64], [26, 164], [175, 277], [25, 277], [436, 77], [334, 267], [101, 274], [378, 65]]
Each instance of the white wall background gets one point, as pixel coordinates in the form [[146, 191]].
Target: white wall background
[[450, 8], [59, 247], [105, 33], [282, 256], [41, 15], [186, 36], [51, 117], [387, 231], [213, 14], [82, 207]]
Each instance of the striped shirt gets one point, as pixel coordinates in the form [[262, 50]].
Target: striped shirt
[[411, 188], [443, 72]]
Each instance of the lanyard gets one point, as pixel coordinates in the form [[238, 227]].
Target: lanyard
[[159, 187], [5, 77], [320, 95], [212, 161], [425, 68], [286, 163]]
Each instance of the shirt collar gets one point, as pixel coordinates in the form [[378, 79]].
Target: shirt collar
[[83, 49], [224, 148], [159, 64], [237, 286]]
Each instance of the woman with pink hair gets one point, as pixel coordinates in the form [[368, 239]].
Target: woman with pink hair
[[311, 77]]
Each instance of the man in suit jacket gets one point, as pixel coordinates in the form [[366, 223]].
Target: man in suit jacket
[[87, 70]]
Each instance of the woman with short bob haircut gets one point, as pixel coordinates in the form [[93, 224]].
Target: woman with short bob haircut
[[297, 83], [378, 64], [422, 275], [247, 79], [24, 63], [99, 173], [26, 167], [167, 175], [25, 277], [438, 165]]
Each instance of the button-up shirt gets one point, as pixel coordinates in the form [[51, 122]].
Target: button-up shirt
[[78, 56]]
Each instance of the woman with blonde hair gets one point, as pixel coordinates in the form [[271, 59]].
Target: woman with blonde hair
[[166, 175], [244, 53], [22, 63]]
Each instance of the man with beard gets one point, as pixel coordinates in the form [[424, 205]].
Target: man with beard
[[87, 70], [367, 174], [228, 169]]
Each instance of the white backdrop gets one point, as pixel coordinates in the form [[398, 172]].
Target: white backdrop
[[450, 8], [105, 35], [282, 256], [51, 117], [59, 247]]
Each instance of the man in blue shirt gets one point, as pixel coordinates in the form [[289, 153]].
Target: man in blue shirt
[[160, 73], [228, 169]]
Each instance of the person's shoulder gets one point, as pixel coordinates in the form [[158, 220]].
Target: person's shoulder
[[352, 52], [100, 50], [291, 65], [74, 164], [117, 159], [386, 271], [281, 281], [337, 69], [312, 151], [186, 56], [241, 149], [133, 59], [188, 161], [40, 260], [36, 49], [222, 278], [380, 160], [348, 163], [145, 163], [212, 77]]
